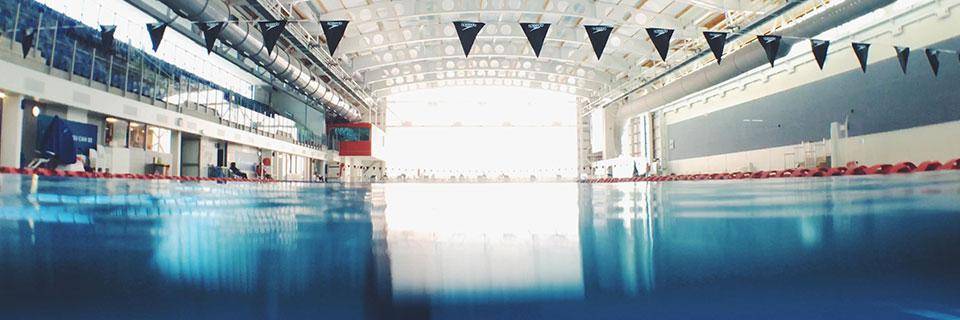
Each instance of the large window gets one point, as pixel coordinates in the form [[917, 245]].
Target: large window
[[115, 133], [638, 136], [489, 131], [158, 139], [137, 136], [352, 134]]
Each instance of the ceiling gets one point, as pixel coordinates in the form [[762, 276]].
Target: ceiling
[[396, 46]]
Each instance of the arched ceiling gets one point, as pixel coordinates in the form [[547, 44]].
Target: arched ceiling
[[393, 46]]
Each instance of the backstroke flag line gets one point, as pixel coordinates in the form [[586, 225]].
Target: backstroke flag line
[[598, 34], [903, 55], [467, 31], [861, 50], [934, 60], [333, 30], [716, 41], [819, 48], [156, 33], [661, 40], [536, 33], [106, 37], [272, 30], [211, 31], [771, 46]]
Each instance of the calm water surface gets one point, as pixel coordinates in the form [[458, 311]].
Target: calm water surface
[[830, 248]]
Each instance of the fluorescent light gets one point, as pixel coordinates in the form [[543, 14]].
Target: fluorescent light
[[112, 120]]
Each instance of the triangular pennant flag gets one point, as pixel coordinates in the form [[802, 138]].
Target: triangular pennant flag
[[27, 36], [467, 31], [661, 40], [819, 48], [861, 50], [536, 33], [934, 60], [211, 31], [271, 33], [106, 37], [716, 40], [903, 55], [771, 45], [599, 34], [156, 33], [333, 31]]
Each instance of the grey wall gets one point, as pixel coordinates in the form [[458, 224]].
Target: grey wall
[[883, 99]]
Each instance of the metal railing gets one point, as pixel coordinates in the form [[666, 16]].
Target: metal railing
[[71, 50]]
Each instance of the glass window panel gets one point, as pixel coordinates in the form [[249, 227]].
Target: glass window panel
[[158, 139], [137, 136]]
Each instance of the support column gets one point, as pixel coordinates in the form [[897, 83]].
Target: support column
[[175, 151], [11, 130]]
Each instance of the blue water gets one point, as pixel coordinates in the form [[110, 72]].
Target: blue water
[[827, 248]]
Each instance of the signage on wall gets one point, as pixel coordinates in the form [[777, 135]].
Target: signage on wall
[[84, 135]]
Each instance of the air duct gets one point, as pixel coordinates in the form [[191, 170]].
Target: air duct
[[249, 42], [749, 57]]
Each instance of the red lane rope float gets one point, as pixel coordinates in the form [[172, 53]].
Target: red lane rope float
[[879, 169], [836, 171], [856, 171], [951, 165], [929, 166], [903, 167]]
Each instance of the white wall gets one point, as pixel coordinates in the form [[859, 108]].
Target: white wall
[[129, 160]]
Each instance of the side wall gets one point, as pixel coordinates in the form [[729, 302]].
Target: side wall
[[775, 118]]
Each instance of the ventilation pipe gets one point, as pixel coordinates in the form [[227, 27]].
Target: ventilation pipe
[[749, 57], [249, 42]]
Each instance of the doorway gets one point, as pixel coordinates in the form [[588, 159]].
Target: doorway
[[190, 156]]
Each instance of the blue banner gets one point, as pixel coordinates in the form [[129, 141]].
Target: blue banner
[[84, 135]]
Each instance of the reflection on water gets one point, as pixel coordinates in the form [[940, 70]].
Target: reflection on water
[[477, 244], [870, 247]]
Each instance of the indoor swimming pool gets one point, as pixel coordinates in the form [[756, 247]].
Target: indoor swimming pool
[[871, 247]]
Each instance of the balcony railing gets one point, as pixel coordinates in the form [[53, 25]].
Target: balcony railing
[[69, 49]]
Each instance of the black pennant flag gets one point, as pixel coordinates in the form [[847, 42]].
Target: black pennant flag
[[467, 31], [771, 45], [27, 36], [211, 31], [333, 30], [106, 37], [861, 50], [599, 34], [819, 48], [661, 40], [903, 55], [934, 60], [536, 33], [716, 41], [271, 33], [156, 33]]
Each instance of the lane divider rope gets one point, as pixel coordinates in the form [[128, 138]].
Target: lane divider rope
[[853, 170], [106, 175]]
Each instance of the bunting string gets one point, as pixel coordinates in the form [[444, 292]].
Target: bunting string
[[536, 34]]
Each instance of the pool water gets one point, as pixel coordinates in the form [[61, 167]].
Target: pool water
[[877, 247]]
